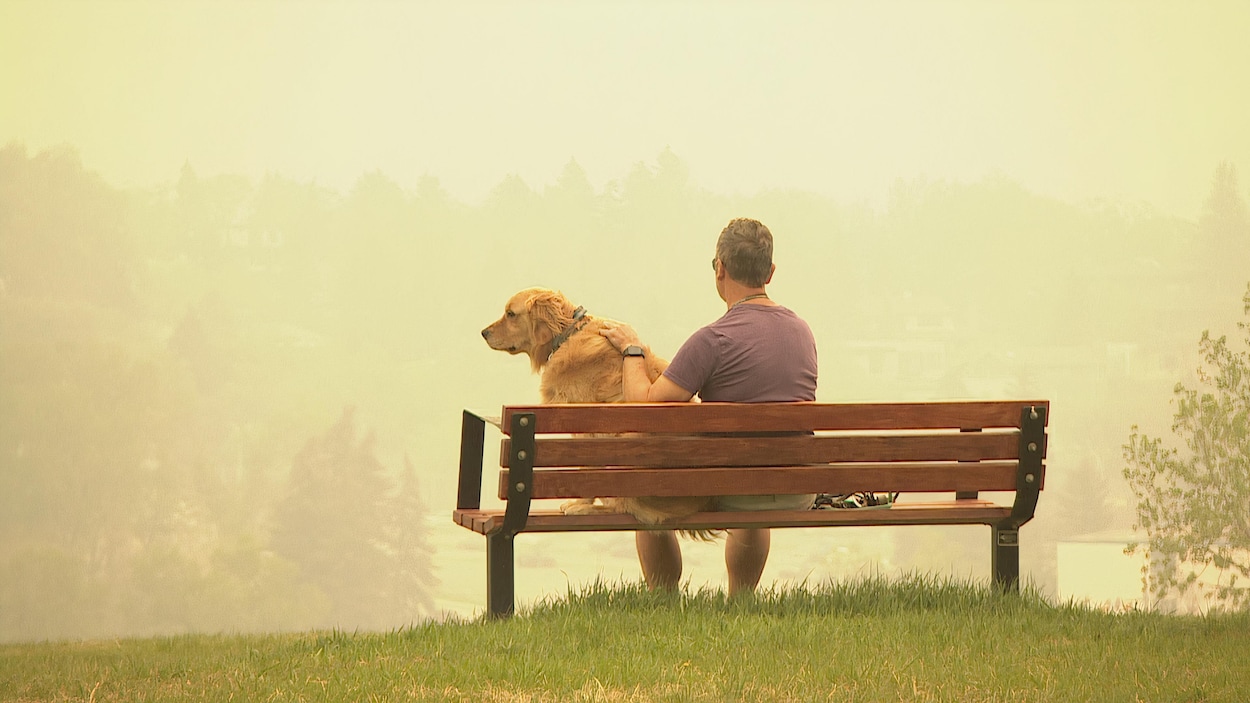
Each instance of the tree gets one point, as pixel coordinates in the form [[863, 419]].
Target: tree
[[511, 198], [330, 524], [572, 187], [1224, 229], [210, 212], [1194, 505], [64, 235], [357, 537], [413, 576], [1224, 215]]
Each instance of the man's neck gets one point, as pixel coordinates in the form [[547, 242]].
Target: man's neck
[[742, 294]]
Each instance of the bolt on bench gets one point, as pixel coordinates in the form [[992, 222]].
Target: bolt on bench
[[560, 452]]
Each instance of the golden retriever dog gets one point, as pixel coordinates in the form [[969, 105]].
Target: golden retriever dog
[[578, 365]]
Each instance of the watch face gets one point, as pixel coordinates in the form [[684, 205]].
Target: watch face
[[633, 350]]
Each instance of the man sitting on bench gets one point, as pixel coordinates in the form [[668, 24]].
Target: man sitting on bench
[[758, 351]]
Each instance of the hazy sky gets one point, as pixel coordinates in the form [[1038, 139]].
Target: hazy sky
[[1122, 99]]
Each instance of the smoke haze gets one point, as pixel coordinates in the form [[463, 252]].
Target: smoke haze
[[1133, 100], [246, 250]]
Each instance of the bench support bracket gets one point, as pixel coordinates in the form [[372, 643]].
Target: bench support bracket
[[500, 565], [1005, 558], [1005, 548]]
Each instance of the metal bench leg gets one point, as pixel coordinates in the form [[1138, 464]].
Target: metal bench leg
[[500, 576], [1005, 558]]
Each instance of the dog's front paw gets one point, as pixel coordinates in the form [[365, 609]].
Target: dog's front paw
[[580, 506]]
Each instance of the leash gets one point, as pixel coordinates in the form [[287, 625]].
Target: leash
[[578, 317]]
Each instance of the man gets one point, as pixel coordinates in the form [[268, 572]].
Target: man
[[757, 352]]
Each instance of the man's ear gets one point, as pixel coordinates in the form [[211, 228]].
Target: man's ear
[[771, 271]]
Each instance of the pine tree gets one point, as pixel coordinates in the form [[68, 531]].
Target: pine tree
[[332, 524], [413, 582], [1224, 228]]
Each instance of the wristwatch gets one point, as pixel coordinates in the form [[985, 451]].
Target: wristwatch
[[633, 350]]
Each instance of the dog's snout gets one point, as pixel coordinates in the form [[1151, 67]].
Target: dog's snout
[[486, 333]]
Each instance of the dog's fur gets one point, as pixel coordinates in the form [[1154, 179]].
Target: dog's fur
[[585, 368]]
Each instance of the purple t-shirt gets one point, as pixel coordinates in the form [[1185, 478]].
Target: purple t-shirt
[[752, 354]]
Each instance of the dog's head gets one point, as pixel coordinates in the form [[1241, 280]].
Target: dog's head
[[531, 320]]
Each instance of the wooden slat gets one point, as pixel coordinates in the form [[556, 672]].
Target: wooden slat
[[482, 522], [465, 518], [770, 417], [671, 451], [838, 478], [962, 512]]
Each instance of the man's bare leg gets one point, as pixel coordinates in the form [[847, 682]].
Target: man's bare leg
[[746, 552], [660, 556]]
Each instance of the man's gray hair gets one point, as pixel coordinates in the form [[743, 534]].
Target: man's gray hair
[[745, 249]]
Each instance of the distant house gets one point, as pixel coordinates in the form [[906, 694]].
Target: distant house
[[1094, 569]]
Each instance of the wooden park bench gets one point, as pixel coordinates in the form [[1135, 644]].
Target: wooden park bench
[[560, 452]]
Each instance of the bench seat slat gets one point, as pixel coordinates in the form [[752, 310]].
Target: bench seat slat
[[933, 477], [764, 417], [960, 512], [481, 523], [672, 451]]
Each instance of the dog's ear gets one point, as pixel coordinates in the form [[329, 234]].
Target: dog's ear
[[548, 311]]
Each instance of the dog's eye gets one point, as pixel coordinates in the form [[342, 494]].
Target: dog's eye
[[509, 313]]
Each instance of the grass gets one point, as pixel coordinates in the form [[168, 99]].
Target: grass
[[918, 639]]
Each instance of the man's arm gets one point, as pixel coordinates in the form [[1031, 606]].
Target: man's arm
[[638, 387]]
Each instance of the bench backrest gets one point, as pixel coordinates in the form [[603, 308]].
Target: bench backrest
[[687, 449]]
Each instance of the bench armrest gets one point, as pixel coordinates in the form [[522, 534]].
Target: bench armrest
[[472, 442], [520, 468]]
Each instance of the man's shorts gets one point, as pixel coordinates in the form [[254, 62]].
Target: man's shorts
[[779, 501]]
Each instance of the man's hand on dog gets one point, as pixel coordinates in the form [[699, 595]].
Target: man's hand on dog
[[620, 335]]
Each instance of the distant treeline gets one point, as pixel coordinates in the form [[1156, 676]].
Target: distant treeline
[[230, 404]]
